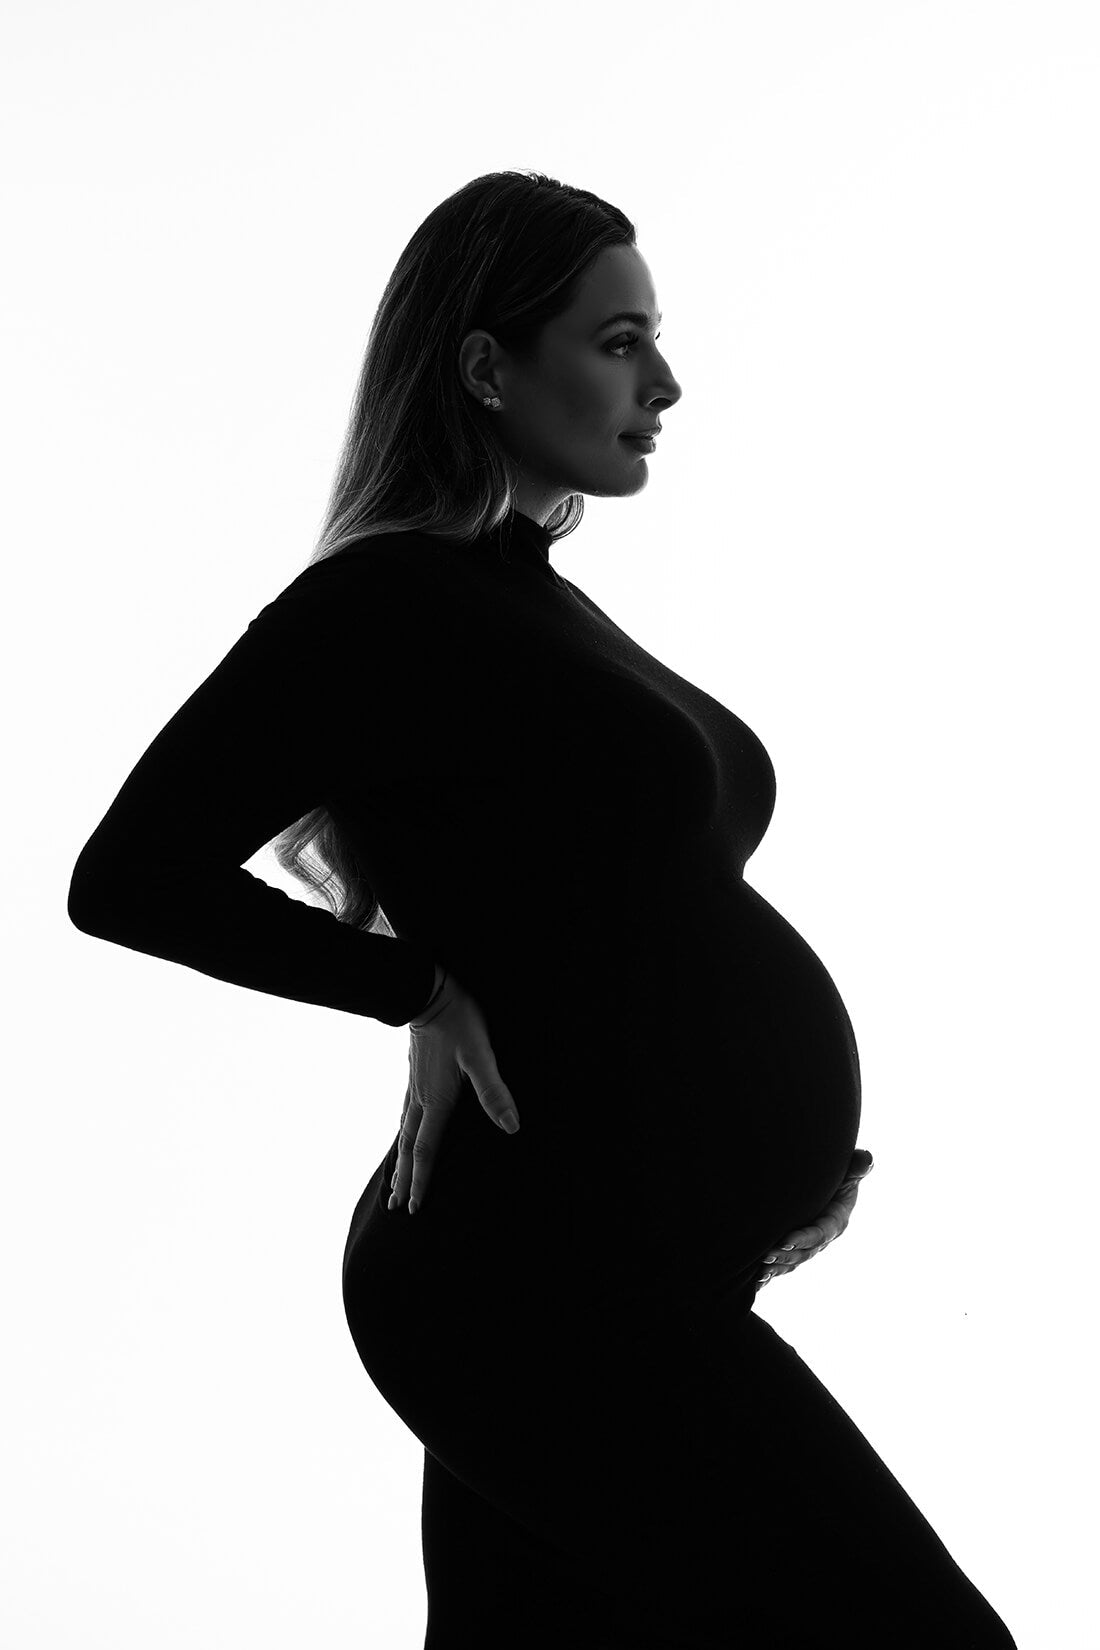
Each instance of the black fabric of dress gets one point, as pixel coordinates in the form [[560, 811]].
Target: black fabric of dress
[[619, 1452]]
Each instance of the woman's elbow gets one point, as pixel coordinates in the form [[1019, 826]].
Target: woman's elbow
[[87, 902]]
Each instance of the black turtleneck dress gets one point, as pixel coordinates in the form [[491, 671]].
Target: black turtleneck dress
[[618, 1452]]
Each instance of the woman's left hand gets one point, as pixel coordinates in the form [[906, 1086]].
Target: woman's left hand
[[805, 1241]]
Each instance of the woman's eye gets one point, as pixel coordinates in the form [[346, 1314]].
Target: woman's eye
[[627, 340]]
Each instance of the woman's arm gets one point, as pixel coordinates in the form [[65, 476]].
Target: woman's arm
[[267, 737]]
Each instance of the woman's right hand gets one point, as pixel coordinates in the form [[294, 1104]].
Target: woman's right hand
[[448, 1040], [804, 1242]]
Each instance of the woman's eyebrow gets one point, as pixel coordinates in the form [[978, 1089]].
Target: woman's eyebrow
[[637, 317]]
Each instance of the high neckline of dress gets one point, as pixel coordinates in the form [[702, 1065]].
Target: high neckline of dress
[[522, 536]]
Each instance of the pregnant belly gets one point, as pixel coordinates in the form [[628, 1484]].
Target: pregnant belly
[[688, 1091], [709, 1026], [748, 1098], [774, 1007], [684, 1103], [782, 1045]]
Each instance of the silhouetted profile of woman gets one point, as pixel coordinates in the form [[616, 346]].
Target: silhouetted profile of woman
[[531, 836]]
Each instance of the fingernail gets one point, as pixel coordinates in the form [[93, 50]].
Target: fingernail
[[770, 1260], [393, 1200], [509, 1122], [413, 1205], [786, 1245]]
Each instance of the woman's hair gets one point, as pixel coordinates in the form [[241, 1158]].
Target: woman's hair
[[505, 253]]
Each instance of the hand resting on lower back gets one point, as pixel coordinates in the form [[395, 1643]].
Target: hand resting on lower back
[[448, 1040]]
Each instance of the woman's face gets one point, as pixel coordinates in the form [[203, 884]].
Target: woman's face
[[563, 413]]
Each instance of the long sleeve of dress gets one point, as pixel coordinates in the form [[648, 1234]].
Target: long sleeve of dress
[[300, 700]]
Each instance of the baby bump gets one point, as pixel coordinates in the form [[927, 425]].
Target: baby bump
[[735, 1108], [709, 1106], [775, 1029], [708, 1024]]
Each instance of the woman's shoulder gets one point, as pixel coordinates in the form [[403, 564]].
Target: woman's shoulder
[[404, 562], [381, 575], [390, 598]]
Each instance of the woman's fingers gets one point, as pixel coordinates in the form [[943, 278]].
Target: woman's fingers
[[435, 1111], [492, 1091], [805, 1241], [422, 1128], [829, 1224], [450, 1045], [406, 1140], [821, 1231], [424, 1123], [779, 1262], [861, 1163]]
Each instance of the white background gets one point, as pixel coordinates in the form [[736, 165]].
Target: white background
[[870, 529]]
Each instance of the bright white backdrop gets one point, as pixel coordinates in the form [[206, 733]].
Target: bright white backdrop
[[870, 530]]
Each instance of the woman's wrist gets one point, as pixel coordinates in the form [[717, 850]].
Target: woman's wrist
[[437, 985]]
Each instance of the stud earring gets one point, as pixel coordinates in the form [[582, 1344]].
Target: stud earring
[[490, 401]]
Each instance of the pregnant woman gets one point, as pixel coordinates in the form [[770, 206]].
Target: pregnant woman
[[534, 835]]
